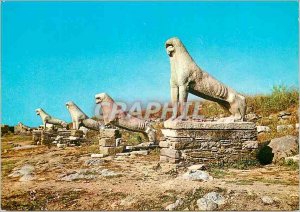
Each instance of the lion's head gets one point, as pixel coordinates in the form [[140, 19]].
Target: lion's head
[[38, 111], [101, 97], [70, 105], [75, 110], [172, 45]]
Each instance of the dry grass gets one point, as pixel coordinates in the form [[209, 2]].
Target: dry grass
[[281, 98]]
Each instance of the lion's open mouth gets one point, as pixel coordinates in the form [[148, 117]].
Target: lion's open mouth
[[170, 49], [98, 100]]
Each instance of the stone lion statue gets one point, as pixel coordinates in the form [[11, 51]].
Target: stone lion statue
[[123, 120], [188, 77], [79, 118], [47, 119]]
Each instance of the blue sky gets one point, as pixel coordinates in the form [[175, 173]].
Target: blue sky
[[53, 52]]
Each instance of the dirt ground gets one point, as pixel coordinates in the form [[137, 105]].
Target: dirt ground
[[137, 182]]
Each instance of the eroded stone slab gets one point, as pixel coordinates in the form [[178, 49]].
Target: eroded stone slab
[[109, 133], [189, 125], [205, 134], [111, 150], [109, 142]]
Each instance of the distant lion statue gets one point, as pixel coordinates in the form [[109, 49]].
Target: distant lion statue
[[47, 119], [79, 118], [122, 119], [188, 77]]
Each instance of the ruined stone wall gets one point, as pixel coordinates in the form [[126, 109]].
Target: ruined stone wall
[[44, 137], [61, 136], [208, 142], [21, 129]]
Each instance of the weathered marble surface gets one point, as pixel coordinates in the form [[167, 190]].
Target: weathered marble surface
[[188, 77]]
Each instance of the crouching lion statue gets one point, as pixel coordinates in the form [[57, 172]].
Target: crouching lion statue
[[79, 118], [47, 119], [123, 120], [188, 77]]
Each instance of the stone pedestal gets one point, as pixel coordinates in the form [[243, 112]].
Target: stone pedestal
[[48, 136], [108, 141], [36, 136], [208, 142], [70, 137]]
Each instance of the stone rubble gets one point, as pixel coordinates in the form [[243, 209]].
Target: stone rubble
[[174, 205], [283, 115], [215, 197], [267, 200], [206, 205], [283, 127], [197, 175], [93, 162], [24, 147], [25, 173], [283, 147], [87, 174], [262, 129], [97, 155], [210, 202]]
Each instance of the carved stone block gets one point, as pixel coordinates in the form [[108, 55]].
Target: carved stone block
[[111, 150], [77, 133], [171, 153], [109, 133], [210, 142], [109, 142]]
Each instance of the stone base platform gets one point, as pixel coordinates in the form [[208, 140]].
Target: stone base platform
[[208, 142], [61, 136], [109, 142]]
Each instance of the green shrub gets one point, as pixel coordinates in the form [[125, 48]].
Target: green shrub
[[281, 98], [291, 164]]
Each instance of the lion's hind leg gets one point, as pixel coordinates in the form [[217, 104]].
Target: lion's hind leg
[[238, 107], [151, 134]]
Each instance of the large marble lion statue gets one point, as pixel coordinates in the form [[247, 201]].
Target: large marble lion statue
[[188, 77]]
